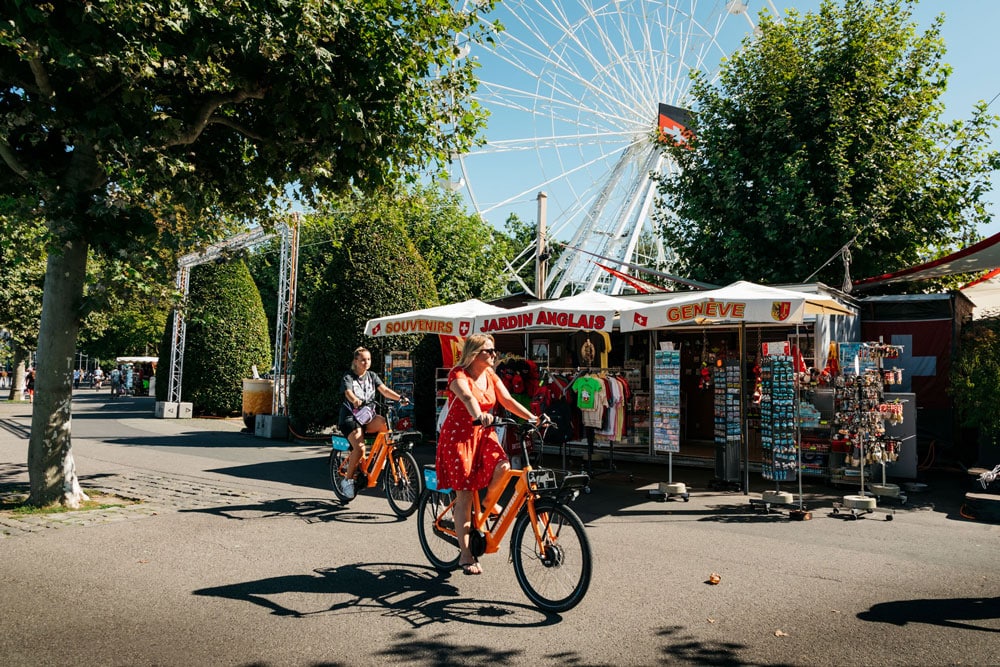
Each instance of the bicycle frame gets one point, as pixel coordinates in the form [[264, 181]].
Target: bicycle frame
[[526, 491], [373, 463]]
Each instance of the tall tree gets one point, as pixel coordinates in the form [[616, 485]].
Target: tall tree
[[136, 123], [226, 337], [465, 254], [373, 270], [825, 131]]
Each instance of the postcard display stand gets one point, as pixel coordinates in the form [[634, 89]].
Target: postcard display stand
[[860, 413], [399, 372], [728, 419], [779, 431], [667, 417]]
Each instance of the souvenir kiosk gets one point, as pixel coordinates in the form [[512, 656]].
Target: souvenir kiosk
[[682, 367]]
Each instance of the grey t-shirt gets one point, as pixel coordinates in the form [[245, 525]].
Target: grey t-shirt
[[363, 387]]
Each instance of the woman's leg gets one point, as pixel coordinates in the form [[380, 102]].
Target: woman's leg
[[499, 471], [463, 524], [357, 440]]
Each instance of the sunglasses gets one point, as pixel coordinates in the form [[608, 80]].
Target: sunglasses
[[490, 352]]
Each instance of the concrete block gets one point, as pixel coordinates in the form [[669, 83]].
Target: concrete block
[[165, 410], [274, 427]]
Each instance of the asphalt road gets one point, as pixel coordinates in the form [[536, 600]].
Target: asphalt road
[[241, 555]]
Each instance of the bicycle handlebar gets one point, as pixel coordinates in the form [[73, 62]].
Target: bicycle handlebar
[[543, 421]]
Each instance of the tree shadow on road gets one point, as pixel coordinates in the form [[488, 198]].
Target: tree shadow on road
[[686, 649], [418, 595], [959, 613]]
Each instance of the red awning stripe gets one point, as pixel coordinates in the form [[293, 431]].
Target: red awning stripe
[[981, 279], [641, 285], [977, 257]]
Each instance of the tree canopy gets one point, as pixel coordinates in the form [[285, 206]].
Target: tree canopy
[[137, 124], [825, 131]]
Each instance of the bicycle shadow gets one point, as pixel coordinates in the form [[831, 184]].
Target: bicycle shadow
[[419, 595], [310, 510]]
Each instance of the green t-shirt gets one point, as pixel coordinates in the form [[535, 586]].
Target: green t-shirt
[[586, 389]]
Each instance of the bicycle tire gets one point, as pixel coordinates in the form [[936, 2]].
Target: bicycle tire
[[441, 549], [557, 579], [338, 462], [403, 490]]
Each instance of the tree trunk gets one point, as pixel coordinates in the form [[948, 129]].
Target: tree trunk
[[17, 375], [51, 469]]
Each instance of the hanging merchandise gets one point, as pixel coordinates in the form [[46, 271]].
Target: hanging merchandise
[[727, 422], [860, 416], [778, 417]]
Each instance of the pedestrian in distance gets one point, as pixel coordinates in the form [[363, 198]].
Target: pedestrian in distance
[[357, 412], [468, 457], [29, 385]]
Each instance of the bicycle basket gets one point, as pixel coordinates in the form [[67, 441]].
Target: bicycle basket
[[431, 479], [542, 479]]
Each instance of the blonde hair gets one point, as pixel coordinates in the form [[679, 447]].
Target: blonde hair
[[472, 346], [357, 353]]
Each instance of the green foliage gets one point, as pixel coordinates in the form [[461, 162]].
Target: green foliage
[[464, 253], [374, 271], [137, 125], [823, 130], [226, 336], [22, 258], [975, 376]]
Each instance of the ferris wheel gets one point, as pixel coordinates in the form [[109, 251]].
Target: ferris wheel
[[574, 89]]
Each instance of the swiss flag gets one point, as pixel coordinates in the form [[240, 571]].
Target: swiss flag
[[376, 329], [640, 319]]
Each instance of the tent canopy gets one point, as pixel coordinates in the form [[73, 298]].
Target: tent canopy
[[739, 302], [981, 256], [454, 319], [585, 311]]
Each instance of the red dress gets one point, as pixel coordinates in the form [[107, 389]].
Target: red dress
[[467, 454]]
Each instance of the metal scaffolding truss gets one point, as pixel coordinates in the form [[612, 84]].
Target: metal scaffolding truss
[[286, 304], [284, 328]]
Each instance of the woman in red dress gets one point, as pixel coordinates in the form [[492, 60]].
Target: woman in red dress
[[468, 460]]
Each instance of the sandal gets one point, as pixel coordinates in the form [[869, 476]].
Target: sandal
[[471, 568]]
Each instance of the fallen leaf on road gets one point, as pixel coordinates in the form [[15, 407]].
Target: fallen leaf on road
[[780, 633], [143, 561], [714, 578], [711, 620]]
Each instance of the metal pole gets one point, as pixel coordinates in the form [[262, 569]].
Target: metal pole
[[541, 255]]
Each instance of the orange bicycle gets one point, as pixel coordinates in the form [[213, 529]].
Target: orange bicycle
[[403, 483], [549, 547]]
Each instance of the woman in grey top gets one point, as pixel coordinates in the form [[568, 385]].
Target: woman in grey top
[[359, 386]]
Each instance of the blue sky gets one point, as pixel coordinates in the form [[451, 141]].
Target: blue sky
[[558, 86]]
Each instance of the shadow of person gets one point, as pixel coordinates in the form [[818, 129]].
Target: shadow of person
[[950, 613]]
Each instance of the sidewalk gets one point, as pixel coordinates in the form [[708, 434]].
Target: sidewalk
[[154, 487]]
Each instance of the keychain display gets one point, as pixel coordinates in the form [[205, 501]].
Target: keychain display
[[861, 411]]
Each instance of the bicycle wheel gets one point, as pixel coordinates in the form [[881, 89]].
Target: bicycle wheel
[[440, 548], [556, 577], [338, 464], [403, 483]]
